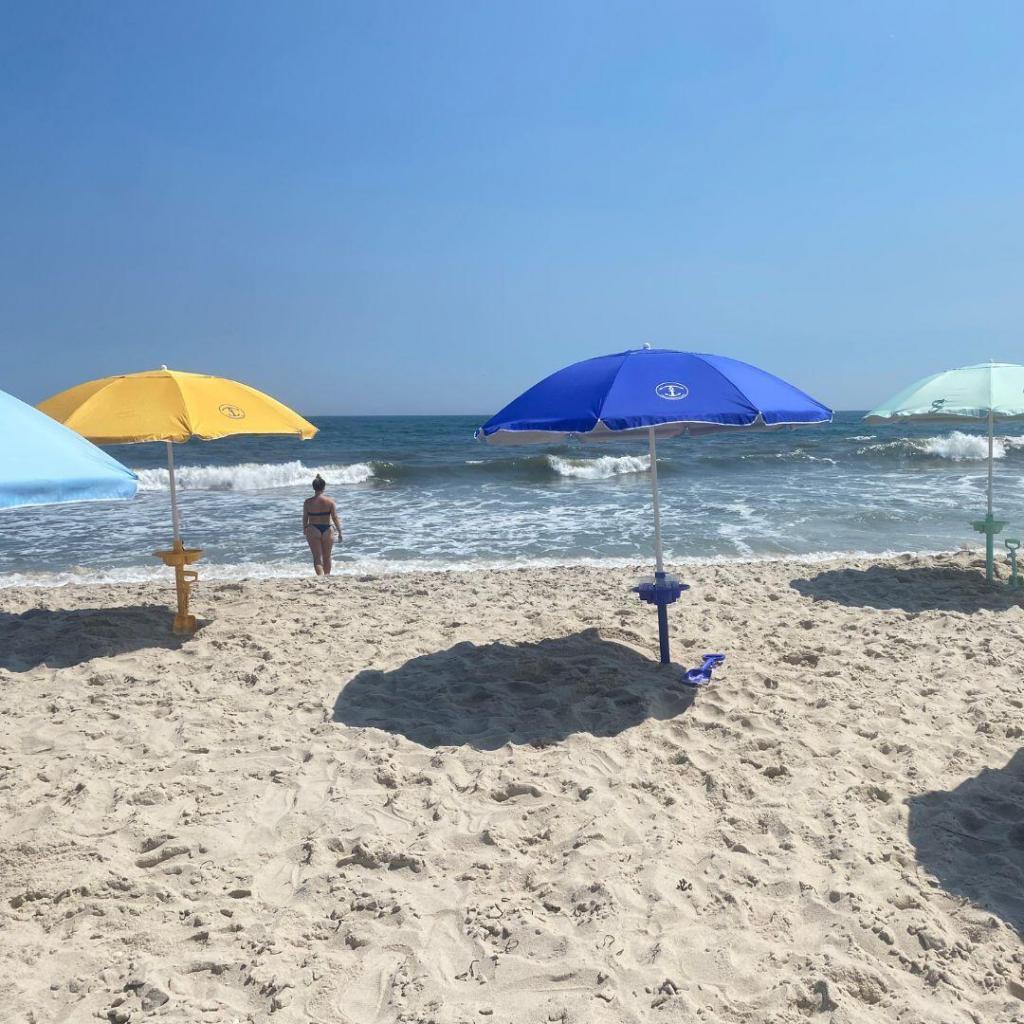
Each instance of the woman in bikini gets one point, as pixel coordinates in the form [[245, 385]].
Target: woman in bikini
[[318, 513]]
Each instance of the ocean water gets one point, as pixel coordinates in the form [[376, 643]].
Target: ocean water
[[420, 493]]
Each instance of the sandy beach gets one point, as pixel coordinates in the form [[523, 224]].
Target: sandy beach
[[476, 797]]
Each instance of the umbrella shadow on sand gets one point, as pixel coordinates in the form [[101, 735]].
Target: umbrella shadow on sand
[[912, 589], [61, 638], [972, 839], [492, 694]]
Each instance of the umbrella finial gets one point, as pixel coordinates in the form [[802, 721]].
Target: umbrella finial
[[646, 345]]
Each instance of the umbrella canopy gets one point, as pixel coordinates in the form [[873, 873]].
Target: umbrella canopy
[[968, 393], [649, 393], [983, 392], [168, 405], [43, 463], [622, 396]]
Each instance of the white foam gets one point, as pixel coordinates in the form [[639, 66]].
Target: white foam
[[252, 476], [601, 468], [962, 447], [955, 446]]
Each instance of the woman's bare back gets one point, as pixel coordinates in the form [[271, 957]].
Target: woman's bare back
[[320, 505]]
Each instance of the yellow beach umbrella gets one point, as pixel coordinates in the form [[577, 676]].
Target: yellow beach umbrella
[[171, 406]]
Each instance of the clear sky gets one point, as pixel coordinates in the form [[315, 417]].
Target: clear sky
[[424, 207]]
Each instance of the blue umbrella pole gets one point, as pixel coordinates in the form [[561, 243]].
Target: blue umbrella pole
[[659, 558], [659, 561], [662, 590], [666, 658]]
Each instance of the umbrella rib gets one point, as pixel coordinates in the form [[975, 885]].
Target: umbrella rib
[[746, 397], [184, 405], [615, 377], [81, 407]]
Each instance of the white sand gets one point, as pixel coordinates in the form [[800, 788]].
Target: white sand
[[477, 798]]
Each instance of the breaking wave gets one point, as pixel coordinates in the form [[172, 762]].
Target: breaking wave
[[253, 476], [956, 446], [601, 468]]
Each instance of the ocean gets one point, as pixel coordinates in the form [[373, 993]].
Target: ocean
[[418, 492]]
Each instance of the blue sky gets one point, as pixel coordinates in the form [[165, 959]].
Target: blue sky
[[424, 207]]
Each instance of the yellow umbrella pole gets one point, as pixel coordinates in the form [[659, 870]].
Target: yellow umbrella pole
[[178, 557], [175, 517]]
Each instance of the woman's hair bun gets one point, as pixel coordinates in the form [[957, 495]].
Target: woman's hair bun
[[319, 483]]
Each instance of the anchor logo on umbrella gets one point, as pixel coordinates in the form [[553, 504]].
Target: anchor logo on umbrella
[[671, 390], [232, 412]]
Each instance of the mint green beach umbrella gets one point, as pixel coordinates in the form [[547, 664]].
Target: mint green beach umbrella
[[986, 392]]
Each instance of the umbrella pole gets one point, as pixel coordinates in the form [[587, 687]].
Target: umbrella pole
[[175, 519], [991, 418], [659, 564], [659, 561], [989, 537], [178, 558]]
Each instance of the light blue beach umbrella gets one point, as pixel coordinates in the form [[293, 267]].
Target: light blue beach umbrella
[[42, 462], [983, 393], [645, 394]]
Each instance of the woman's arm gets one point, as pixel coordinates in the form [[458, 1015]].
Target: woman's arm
[[305, 515], [337, 521]]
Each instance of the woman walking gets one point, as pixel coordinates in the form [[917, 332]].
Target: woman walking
[[318, 513]]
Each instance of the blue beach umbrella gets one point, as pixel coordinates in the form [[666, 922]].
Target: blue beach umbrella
[[42, 462], [652, 393]]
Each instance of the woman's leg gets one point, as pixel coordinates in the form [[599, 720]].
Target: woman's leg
[[327, 544], [314, 539]]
